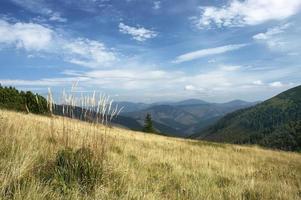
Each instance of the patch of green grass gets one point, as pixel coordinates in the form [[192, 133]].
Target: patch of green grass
[[73, 168], [133, 159], [51, 140], [116, 149], [222, 181]]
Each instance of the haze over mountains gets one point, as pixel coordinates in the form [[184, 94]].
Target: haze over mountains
[[181, 118]]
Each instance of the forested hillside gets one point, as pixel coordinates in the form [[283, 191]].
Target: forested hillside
[[275, 123], [13, 99]]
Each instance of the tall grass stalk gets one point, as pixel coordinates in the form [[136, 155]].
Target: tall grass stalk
[[95, 108]]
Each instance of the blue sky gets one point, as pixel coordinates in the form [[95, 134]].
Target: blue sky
[[152, 50]]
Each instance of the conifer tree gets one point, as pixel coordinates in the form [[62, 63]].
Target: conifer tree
[[148, 124]]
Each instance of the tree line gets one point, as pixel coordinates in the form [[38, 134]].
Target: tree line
[[23, 101]]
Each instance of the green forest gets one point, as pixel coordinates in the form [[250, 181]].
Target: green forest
[[275, 123], [23, 101]]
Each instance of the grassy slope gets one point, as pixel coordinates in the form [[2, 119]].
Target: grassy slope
[[143, 166]]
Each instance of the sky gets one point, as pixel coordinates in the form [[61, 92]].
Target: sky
[[152, 50]]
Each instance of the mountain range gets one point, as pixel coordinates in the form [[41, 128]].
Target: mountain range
[[274, 123], [181, 118]]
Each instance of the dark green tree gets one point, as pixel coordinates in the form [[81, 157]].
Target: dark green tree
[[13, 99], [148, 124]]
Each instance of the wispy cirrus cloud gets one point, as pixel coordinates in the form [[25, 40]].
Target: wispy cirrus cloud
[[247, 12], [55, 16], [207, 52], [44, 82], [138, 33], [272, 32], [283, 38], [40, 7]]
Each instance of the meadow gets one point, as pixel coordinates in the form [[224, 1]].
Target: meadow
[[60, 158]]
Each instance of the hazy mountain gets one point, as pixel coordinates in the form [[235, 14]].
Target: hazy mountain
[[185, 117], [175, 119], [189, 102], [131, 106], [274, 123]]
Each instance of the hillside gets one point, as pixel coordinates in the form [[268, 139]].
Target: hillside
[[275, 123], [60, 158]]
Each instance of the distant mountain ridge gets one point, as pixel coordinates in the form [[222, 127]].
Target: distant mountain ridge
[[189, 102], [185, 117], [274, 123], [132, 106]]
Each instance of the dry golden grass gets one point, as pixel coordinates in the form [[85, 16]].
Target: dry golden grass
[[141, 166]]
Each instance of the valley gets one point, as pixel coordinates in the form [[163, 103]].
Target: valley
[[184, 118]]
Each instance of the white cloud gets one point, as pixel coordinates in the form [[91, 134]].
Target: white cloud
[[193, 88], [247, 12], [207, 52], [36, 38], [138, 33], [149, 79], [258, 82], [212, 61], [88, 53], [283, 38], [276, 84], [29, 36], [157, 5], [271, 32], [189, 87], [230, 67], [43, 82], [54, 16]]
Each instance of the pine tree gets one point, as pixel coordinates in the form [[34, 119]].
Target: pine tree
[[148, 124]]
